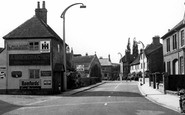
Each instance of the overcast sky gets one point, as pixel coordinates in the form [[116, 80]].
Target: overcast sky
[[103, 27]]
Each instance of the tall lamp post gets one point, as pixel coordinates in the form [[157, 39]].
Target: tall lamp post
[[140, 42], [121, 67], [64, 44]]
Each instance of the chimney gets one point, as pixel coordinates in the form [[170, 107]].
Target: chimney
[[41, 13], [156, 40], [109, 57]]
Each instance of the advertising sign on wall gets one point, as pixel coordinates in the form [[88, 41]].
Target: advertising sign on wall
[[44, 46], [30, 84], [18, 46], [45, 73], [29, 59], [46, 83]]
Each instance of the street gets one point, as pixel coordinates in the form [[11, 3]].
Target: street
[[111, 98]]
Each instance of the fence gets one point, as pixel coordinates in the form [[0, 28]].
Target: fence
[[175, 82]]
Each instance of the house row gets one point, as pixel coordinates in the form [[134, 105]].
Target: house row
[[169, 55], [149, 60], [174, 49]]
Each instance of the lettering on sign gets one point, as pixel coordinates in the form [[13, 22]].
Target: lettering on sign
[[30, 84], [45, 73], [23, 46], [47, 82], [44, 46]]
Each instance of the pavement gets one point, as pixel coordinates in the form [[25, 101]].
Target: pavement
[[167, 100]]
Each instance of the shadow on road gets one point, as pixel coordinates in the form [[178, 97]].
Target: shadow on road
[[107, 93], [6, 107]]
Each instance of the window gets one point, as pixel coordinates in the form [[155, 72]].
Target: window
[[182, 37], [168, 68], [181, 65], [34, 73], [16, 74], [168, 44], [34, 45], [174, 41], [58, 48]]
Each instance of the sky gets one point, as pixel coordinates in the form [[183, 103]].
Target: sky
[[103, 27]]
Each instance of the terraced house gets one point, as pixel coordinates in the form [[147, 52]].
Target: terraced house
[[174, 49]]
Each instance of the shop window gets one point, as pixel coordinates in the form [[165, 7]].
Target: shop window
[[16, 74], [34, 45], [34, 73]]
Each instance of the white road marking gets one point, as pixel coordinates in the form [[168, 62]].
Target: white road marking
[[109, 96], [117, 86], [76, 104]]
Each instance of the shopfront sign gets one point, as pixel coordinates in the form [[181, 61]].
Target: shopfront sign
[[30, 84], [29, 59]]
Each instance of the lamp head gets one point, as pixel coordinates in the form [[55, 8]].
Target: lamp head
[[82, 6]]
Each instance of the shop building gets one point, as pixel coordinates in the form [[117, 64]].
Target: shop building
[[34, 56]]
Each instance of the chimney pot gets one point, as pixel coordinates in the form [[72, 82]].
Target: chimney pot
[[43, 4], [41, 13], [38, 5]]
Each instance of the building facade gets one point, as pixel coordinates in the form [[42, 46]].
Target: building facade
[[34, 56], [174, 49], [154, 54], [106, 68], [87, 66]]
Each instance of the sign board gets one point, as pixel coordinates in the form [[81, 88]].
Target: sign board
[[80, 67], [18, 46], [29, 59], [44, 46], [46, 83], [45, 73], [30, 84]]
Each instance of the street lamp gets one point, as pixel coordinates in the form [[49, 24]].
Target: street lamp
[[139, 42], [64, 44], [121, 67]]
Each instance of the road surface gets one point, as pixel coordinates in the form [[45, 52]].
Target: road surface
[[111, 98]]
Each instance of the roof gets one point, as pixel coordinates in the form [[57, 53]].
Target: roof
[[151, 48], [136, 61], [174, 29], [105, 62], [83, 60], [1, 49], [32, 28]]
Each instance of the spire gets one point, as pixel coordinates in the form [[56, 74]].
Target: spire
[[135, 48], [128, 45]]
